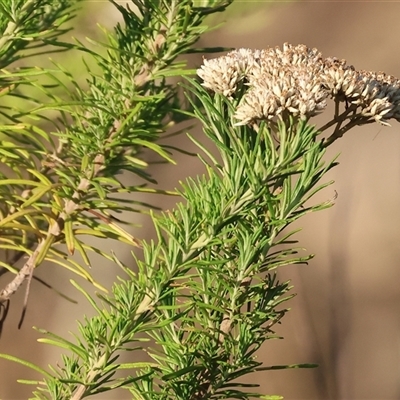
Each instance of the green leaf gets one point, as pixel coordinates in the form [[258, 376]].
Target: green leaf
[[58, 341], [27, 364]]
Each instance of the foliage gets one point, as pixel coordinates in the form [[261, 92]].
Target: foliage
[[62, 182], [203, 297]]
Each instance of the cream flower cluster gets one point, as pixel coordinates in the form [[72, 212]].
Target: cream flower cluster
[[298, 80]]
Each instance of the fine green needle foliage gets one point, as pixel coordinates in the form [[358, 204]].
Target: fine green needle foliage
[[205, 296], [61, 179], [27, 26], [198, 301]]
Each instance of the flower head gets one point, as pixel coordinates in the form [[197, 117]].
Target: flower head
[[297, 80]]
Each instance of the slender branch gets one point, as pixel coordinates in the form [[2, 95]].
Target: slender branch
[[338, 133], [91, 376], [44, 170], [147, 304], [12, 26], [11, 29], [53, 232], [338, 118]]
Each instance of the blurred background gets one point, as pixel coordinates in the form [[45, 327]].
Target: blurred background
[[346, 315]]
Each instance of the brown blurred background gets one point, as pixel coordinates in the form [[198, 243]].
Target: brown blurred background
[[346, 316]]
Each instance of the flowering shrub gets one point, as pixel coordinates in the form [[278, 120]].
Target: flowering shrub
[[197, 302]]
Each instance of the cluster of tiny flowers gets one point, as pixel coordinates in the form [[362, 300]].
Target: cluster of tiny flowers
[[298, 80]]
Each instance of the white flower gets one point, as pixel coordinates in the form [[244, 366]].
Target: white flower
[[297, 80]]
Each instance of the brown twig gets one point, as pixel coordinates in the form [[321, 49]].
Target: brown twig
[[53, 232]]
